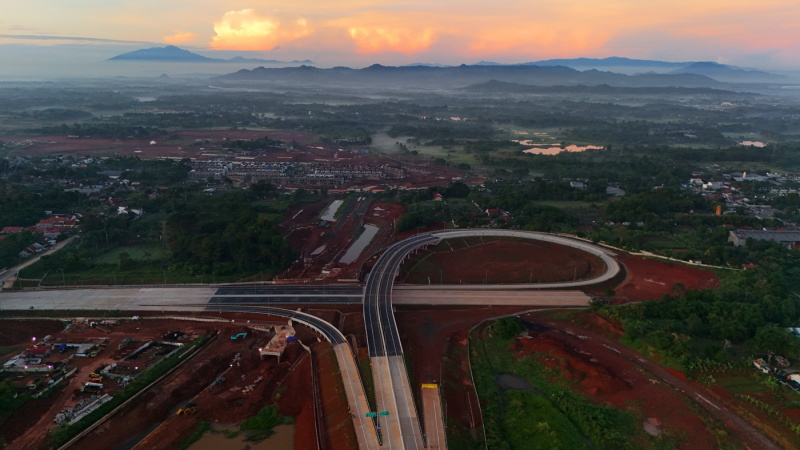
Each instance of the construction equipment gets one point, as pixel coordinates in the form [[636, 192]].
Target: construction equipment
[[216, 382], [91, 387], [95, 377], [238, 336], [187, 410], [125, 342]]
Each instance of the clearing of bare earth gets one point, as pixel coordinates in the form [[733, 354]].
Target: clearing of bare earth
[[499, 260]]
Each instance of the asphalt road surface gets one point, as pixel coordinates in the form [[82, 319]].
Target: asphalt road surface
[[288, 294], [394, 395], [354, 388], [383, 339]]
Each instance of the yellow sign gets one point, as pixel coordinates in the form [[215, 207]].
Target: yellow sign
[[429, 386]]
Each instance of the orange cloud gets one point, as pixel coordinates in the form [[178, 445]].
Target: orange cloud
[[402, 40], [246, 30], [180, 37], [543, 40]]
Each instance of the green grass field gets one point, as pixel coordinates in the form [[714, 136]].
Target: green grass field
[[455, 154], [558, 416], [139, 253]]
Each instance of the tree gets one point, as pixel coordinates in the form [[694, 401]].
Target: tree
[[508, 327], [772, 338]]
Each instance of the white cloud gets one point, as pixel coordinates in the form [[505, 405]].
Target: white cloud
[[247, 30]]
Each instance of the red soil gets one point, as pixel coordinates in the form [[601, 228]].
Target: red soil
[[652, 278], [605, 376], [286, 384], [305, 234], [16, 332], [505, 261], [339, 433], [297, 401], [180, 144], [436, 340]]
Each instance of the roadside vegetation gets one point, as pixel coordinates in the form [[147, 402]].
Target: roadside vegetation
[[186, 237], [260, 426], [634, 193], [546, 413], [749, 314], [255, 428]]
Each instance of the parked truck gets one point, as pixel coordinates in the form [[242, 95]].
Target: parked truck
[[90, 386]]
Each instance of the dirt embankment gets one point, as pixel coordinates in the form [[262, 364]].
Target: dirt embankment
[[652, 278], [249, 384], [607, 372], [339, 433], [502, 262], [321, 244], [437, 344]]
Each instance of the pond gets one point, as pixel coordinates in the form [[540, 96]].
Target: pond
[[282, 439], [506, 381], [360, 244], [330, 211], [556, 150]]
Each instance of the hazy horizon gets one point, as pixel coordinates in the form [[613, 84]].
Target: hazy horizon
[[27, 62], [44, 39]]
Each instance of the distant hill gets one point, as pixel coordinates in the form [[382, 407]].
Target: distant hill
[[500, 87], [724, 72], [719, 72], [172, 53], [606, 63], [426, 77]]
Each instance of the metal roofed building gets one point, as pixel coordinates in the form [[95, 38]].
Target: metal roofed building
[[790, 239]]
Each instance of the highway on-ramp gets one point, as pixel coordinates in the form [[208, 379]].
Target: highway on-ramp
[[401, 427], [354, 387]]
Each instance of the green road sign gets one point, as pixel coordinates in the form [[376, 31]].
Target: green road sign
[[371, 414], [383, 413]]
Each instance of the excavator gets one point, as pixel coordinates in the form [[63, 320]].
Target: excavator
[[187, 410]]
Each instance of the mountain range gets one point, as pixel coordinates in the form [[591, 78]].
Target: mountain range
[[719, 72], [172, 53], [614, 71], [426, 77]]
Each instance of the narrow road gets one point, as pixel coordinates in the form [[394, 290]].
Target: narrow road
[[749, 435], [12, 271]]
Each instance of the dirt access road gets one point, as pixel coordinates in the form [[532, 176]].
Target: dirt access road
[[746, 433]]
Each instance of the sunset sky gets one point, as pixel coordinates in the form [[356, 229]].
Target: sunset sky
[[763, 33]]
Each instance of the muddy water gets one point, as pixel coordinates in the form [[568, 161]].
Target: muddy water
[[330, 211], [508, 381], [360, 244], [556, 150], [282, 439]]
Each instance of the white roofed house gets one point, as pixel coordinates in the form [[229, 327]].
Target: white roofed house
[[577, 185]]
